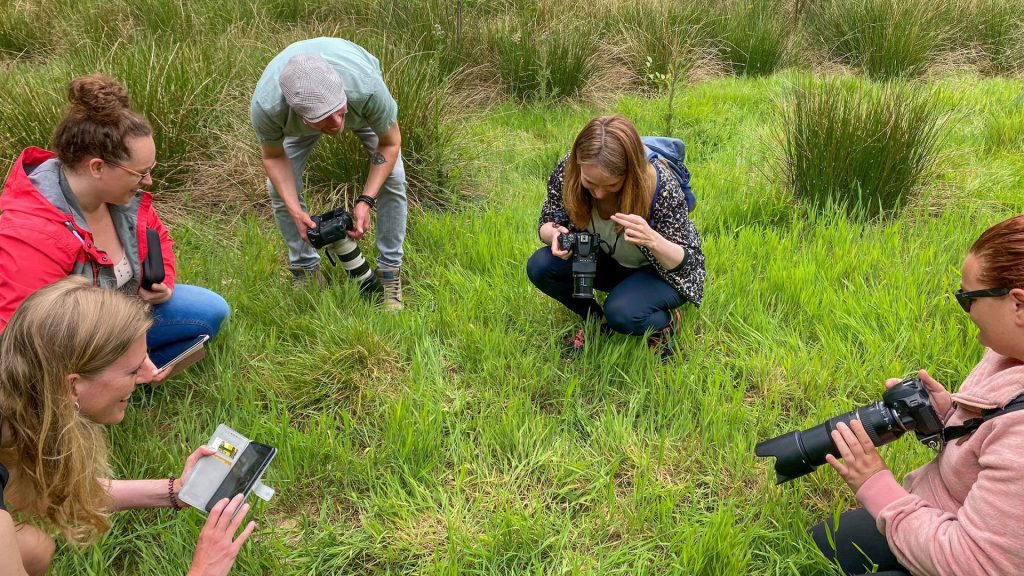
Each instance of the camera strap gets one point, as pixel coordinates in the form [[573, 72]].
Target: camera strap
[[953, 432]]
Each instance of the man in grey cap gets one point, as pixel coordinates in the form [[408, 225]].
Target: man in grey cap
[[325, 86]]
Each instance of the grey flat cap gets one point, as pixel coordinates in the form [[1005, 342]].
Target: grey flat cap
[[311, 87]]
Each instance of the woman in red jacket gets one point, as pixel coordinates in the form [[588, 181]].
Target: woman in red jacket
[[81, 210]]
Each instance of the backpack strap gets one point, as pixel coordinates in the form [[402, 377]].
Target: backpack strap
[[953, 432]]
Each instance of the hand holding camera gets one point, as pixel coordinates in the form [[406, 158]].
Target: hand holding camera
[[303, 222], [941, 399], [905, 407], [332, 232], [558, 230], [361, 220], [860, 458]]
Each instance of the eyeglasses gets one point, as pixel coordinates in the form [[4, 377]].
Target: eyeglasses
[[141, 175], [965, 299]]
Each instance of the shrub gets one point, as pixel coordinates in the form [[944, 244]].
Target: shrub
[[754, 37], [866, 148], [884, 38]]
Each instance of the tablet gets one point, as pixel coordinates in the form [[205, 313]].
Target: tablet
[[197, 343]]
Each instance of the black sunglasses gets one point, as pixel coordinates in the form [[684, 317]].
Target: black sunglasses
[[965, 299]]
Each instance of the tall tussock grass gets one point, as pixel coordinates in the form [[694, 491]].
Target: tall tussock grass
[[883, 38], [996, 27], [544, 60], [663, 39], [754, 37], [865, 148]]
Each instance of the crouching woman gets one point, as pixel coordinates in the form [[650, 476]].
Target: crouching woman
[[649, 261], [70, 358]]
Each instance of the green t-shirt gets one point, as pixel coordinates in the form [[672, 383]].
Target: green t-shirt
[[370, 104]]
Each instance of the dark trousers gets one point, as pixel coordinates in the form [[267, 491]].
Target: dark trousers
[[859, 546], [638, 298]]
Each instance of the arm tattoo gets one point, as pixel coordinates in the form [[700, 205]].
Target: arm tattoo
[[377, 159]]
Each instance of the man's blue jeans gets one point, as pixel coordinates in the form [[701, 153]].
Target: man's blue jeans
[[638, 298], [191, 311]]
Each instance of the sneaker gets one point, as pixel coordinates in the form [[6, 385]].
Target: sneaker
[[661, 340], [391, 279], [304, 276], [573, 345]]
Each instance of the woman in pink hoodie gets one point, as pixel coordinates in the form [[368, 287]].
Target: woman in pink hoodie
[[962, 513]]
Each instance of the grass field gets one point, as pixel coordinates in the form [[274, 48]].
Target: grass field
[[451, 438]]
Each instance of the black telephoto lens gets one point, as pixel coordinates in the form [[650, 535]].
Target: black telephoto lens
[[800, 453]]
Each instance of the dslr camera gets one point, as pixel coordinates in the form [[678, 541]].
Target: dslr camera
[[905, 407], [330, 233], [584, 246]]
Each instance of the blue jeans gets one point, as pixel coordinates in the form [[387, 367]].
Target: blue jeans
[[392, 206], [639, 300], [190, 312]]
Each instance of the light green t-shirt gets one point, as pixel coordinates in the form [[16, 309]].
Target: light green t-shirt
[[370, 104], [626, 254]]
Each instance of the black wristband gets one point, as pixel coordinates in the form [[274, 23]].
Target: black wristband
[[682, 263], [370, 201]]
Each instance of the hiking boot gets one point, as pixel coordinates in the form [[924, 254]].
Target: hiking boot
[[661, 340], [391, 279], [304, 276]]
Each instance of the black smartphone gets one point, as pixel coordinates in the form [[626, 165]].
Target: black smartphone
[[243, 475], [153, 266]]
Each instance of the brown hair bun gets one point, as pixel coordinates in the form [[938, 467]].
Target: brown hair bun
[[98, 121], [97, 97]]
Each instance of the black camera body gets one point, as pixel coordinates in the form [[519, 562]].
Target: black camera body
[[584, 248], [330, 227], [905, 407]]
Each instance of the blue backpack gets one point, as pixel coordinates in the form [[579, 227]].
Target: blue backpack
[[673, 152]]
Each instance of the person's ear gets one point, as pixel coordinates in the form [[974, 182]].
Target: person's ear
[[1017, 297], [95, 167], [74, 387]]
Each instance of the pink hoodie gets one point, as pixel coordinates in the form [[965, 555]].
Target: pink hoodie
[[962, 513]]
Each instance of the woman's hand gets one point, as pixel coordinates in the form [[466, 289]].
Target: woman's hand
[[549, 233], [637, 231], [157, 293], [156, 377], [860, 457], [216, 551], [941, 399], [190, 465]]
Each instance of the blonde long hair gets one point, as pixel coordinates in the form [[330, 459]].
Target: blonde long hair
[[59, 456], [612, 144]]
